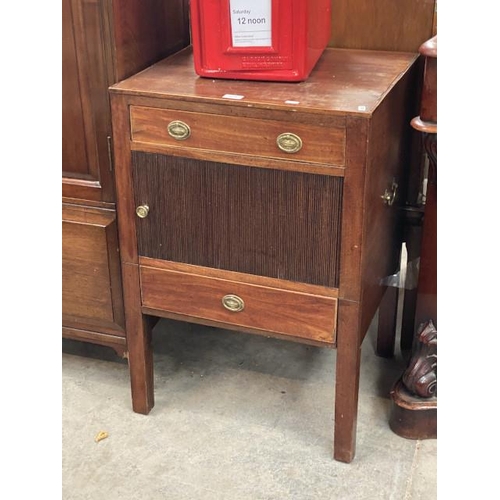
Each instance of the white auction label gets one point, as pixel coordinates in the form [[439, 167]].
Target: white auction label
[[251, 23]]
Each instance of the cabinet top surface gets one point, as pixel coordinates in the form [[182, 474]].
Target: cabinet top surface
[[344, 81]]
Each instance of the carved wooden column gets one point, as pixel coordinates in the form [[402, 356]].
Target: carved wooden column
[[414, 397]]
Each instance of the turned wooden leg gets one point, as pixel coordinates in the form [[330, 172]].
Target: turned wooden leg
[[387, 315], [347, 382], [140, 353]]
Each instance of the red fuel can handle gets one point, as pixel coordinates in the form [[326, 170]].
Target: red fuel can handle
[[270, 40]]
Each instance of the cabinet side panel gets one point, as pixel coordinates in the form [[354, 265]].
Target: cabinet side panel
[[259, 221], [389, 161]]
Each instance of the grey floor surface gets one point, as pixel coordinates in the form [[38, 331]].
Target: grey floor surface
[[236, 416]]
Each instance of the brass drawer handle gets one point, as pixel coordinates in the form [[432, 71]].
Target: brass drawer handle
[[142, 211], [180, 131], [289, 143], [390, 195], [233, 303]]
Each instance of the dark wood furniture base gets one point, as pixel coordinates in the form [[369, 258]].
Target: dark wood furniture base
[[412, 417]]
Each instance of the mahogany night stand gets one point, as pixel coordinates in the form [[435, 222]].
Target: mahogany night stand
[[263, 207]]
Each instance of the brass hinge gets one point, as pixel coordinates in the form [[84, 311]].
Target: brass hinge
[[110, 153]]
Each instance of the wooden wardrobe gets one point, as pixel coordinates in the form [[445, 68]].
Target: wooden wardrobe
[[104, 41]]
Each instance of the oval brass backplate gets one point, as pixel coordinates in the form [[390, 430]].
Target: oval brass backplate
[[233, 303], [180, 131], [289, 143]]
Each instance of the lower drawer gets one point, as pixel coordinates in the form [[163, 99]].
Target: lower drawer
[[239, 304]]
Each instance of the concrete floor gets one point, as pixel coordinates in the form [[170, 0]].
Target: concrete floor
[[237, 417]]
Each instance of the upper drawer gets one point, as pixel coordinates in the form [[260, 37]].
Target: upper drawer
[[278, 139]]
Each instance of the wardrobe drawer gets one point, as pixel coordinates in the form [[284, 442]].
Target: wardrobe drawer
[[247, 305], [290, 140]]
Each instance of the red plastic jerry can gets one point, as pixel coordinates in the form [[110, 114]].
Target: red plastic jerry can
[[270, 40]]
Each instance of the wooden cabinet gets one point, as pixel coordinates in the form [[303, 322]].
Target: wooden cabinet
[[265, 207], [103, 41]]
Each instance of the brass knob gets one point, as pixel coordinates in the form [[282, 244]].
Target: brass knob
[[142, 211], [289, 143], [233, 303], [180, 131], [390, 195]]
